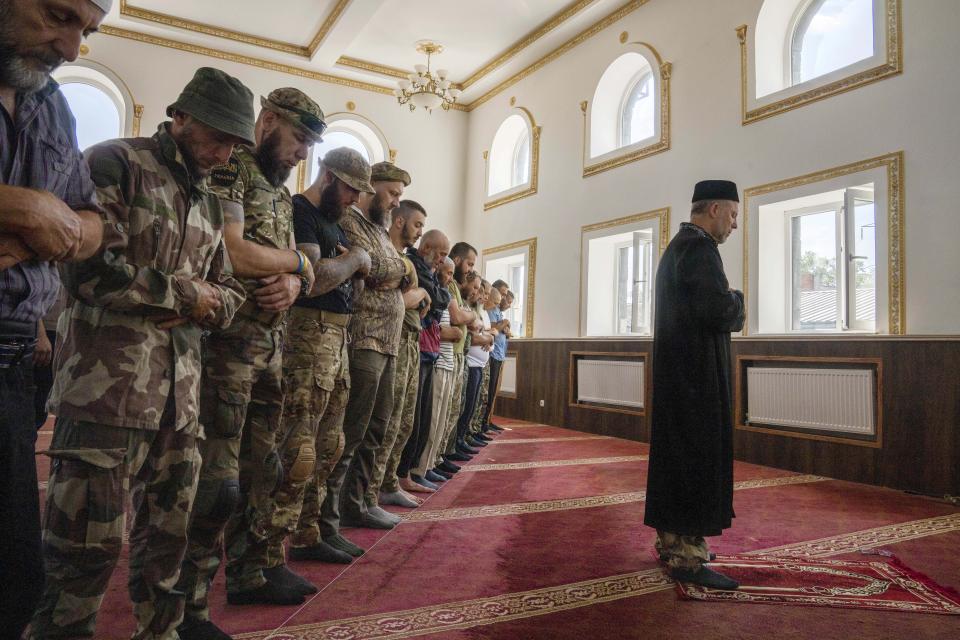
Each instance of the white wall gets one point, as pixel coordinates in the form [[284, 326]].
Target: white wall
[[914, 112], [430, 148]]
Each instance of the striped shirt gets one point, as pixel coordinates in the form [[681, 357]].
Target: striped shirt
[[446, 348], [38, 150]]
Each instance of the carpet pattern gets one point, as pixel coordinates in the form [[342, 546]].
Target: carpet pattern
[[881, 584]]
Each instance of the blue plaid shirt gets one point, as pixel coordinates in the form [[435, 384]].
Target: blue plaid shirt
[[38, 150]]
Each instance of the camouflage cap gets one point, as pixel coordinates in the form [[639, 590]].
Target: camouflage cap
[[220, 101], [298, 108], [348, 165], [389, 172]]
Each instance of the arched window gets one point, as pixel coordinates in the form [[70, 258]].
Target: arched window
[[830, 35], [629, 116], [348, 130], [638, 111], [102, 106], [509, 156]]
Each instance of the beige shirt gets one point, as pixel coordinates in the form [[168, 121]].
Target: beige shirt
[[378, 313]]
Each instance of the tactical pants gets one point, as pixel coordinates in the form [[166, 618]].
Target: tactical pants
[[483, 400], [365, 420], [401, 419], [470, 399], [315, 365], [682, 552], [456, 404], [241, 400], [94, 468], [440, 397]]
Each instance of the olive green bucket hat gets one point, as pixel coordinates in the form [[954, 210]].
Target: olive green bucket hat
[[348, 165], [220, 101]]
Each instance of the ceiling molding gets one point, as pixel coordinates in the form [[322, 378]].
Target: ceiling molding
[[587, 33], [364, 65], [310, 74], [555, 21], [128, 10]]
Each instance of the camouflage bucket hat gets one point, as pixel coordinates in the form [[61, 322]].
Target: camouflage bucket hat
[[389, 172], [298, 108], [348, 165], [220, 101]]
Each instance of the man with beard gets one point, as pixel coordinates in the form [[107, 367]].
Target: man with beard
[[47, 215], [690, 483], [405, 229], [242, 392], [128, 364], [427, 258], [464, 258], [374, 339], [315, 359]]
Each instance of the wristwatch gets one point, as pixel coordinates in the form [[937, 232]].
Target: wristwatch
[[304, 287]]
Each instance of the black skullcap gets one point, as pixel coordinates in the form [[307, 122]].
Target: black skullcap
[[715, 190]]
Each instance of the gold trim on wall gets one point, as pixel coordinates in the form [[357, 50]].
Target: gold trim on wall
[[137, 118], [896, 258], [130, 11], [365, 65], [740, 393], [893, 66], [147, 38], [531, 189], [664, 223], [531, 245], [665, 70], [587, 33]]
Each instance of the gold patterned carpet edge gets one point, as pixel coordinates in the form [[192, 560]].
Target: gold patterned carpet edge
[[548, 600]]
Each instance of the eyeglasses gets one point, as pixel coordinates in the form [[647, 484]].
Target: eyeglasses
[[310, 121]]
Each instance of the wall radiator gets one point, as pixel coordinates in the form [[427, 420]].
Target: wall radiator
[[840, 400], [508, 375], [615, 382]]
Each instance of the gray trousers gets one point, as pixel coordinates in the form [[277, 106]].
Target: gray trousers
[[364, 424]]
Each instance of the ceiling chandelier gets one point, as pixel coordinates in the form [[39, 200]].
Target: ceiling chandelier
[[427, 89]]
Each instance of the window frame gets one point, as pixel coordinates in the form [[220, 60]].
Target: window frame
[[625, 105], [336, 124], [658, 223], [527, 298], [531, 185], [887, 175], [106, 80], [661, 72], [769, 40]]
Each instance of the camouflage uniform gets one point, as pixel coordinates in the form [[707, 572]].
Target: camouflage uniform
[[316, 373], [126, 391], [240, 406], [476, 423], [406, 381]]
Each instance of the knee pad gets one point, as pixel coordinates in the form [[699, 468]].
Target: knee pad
[[228, 497], [303, 465]]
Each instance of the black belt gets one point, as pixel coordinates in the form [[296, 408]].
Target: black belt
[[17, 329], [14, 349]]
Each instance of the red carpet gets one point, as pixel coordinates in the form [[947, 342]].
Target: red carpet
[[880, 583], [548, 542]]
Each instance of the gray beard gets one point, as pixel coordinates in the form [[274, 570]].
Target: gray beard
[[14, 70]]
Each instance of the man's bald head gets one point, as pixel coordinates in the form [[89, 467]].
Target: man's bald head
[[434, 247], [445, 271]]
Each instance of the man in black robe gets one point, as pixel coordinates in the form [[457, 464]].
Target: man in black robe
[[690, 482]]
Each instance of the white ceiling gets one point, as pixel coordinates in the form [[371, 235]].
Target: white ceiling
[[379, 33]]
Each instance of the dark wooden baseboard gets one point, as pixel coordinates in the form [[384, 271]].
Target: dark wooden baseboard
[[919, 401]]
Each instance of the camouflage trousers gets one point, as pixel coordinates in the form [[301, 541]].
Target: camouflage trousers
[[241, 400], [483, 397], [95, 468], [682, 552], [405, 383], [316, 378], [459, 387]]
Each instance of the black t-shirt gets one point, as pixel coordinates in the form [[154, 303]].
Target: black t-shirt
[[310, 226]]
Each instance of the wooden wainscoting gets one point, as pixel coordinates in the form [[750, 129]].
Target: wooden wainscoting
[[919, 402]]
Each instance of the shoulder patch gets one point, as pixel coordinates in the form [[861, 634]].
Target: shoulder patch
[[225, 175]]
